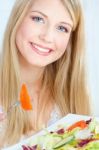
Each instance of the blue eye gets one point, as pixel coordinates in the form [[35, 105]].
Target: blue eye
[[38, 19], [63, 29]]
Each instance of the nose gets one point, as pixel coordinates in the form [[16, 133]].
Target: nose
[[47, 35]]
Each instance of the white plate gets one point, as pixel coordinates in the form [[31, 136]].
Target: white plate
[[65, 121]]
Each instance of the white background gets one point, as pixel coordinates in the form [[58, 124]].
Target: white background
[[91, 11]]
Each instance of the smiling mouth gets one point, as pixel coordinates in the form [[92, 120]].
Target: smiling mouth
[[40, 49]]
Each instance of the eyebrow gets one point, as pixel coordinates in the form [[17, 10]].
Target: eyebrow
[[40, 13], [66, 23]]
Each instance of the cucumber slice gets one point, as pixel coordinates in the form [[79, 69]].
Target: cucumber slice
[[64, 142]]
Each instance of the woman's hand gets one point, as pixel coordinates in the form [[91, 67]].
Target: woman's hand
[[2, 114], [2, 126]]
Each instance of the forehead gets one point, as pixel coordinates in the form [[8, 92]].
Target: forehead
[[53, 8]]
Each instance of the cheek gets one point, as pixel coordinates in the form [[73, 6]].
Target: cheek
[[28, 32], [21, 35], [25, 30], [21, 38], [62, 44]]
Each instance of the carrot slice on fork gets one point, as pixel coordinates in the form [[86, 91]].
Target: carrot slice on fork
[[25, 98]]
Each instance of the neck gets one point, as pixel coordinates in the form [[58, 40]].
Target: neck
[[31, 75]]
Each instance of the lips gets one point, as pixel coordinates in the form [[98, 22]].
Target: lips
[[41, 50]]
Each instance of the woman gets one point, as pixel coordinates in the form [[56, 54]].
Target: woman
[[43, 48]]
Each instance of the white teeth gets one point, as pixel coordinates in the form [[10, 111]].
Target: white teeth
[[41, 49]]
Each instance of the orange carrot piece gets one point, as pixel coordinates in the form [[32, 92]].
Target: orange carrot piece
[[25, 98], [82, 124]]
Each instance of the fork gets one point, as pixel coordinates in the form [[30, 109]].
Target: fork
[[17, 103]]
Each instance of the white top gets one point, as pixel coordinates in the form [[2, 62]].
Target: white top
[[55, 116]]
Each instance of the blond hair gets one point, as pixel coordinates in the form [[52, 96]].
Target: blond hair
[[65, 78]]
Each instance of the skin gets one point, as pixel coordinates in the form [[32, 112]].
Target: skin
[[46, 30], [2, 116], [50, 32], [41, 39]]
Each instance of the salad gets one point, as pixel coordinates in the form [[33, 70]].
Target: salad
[[81, 135]]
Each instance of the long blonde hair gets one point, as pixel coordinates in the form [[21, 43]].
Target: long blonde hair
[[65, 78]]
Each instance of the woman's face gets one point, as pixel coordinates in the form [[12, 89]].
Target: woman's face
[[44, 33]]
